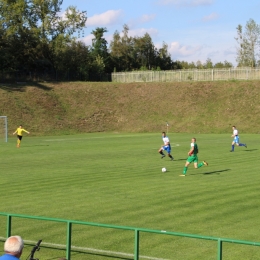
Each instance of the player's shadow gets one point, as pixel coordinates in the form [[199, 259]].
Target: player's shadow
[[216, 172], [251, 150], [180, 159]]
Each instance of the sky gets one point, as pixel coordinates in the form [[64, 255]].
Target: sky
[[194, 30]]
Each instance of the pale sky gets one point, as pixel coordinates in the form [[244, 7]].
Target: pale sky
[[193, 29]]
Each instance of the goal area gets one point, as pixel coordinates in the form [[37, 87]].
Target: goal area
[[3, 128]]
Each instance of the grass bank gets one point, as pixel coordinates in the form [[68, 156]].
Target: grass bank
[[78, 107]]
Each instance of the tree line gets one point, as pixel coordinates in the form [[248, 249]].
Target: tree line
[[34, 36]]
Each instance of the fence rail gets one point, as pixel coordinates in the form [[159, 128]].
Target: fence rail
[[187, 75], [135, 230]]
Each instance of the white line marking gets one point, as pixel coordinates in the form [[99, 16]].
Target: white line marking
[[94, 137]]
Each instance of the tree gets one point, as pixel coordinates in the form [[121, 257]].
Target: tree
[[115, 51], [32, 30], [144, 51], [134, 53], [55, 31], [16, 39], [248, 40], [199, 64], [221, 65], [208, 64], [75, 59], [99, 43], [163, 58], [121, 51], [99, 50]]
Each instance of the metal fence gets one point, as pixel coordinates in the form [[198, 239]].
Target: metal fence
[[137, 231], [187, 75]]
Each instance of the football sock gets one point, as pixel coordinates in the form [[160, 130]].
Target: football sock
[[242, 145], [200, 164], [161, 152], [185, 170], [233, 147], [170, 156]]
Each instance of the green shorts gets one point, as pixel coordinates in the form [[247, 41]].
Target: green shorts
[[193, 158]]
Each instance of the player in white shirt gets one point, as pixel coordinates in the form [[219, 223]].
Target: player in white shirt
[[236, 139], [166, 146]]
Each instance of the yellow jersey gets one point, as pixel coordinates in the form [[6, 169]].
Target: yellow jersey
[[20, 131]]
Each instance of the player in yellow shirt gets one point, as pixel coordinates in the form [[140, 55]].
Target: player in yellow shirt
[[19, 132]]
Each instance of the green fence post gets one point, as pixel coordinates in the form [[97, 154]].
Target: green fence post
[[136, 257], [9, 226], [68, 246], [219, 249]]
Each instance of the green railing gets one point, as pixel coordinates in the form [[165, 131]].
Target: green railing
[[136, 231]]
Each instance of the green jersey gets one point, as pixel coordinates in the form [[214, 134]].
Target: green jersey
[[193, 157], [196, 148]]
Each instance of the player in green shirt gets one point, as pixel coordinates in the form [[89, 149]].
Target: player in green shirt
[[193, 157]]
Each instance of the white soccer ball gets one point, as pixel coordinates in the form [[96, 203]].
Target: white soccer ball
[[164, 169]]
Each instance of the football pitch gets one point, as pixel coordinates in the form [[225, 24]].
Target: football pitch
[[115, 178]]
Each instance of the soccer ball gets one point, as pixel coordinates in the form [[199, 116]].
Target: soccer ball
[[164, 169]]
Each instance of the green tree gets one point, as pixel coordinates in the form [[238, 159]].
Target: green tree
[[31, 30], [99, 50], [74, 58], [221, 65], [184, 64], [208, 64], [163, 58], [115, 51], [248, 41], [99, 43], [17, 41], [121, 51], [199, 64], [55, 31], [144, 51], [134, 53], [228, 64]]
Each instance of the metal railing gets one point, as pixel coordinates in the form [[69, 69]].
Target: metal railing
[[135, 230], [187, 75]]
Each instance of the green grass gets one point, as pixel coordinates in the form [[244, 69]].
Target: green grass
[[116, 179]]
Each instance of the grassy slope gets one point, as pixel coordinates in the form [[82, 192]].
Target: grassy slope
[[196, 107]]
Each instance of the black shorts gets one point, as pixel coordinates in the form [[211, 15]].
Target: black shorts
[[19, 137]]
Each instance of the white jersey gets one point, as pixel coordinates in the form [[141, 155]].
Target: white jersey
[[166, 140], [235, 132]]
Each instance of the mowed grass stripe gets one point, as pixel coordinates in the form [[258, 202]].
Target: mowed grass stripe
[[118, 180]]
